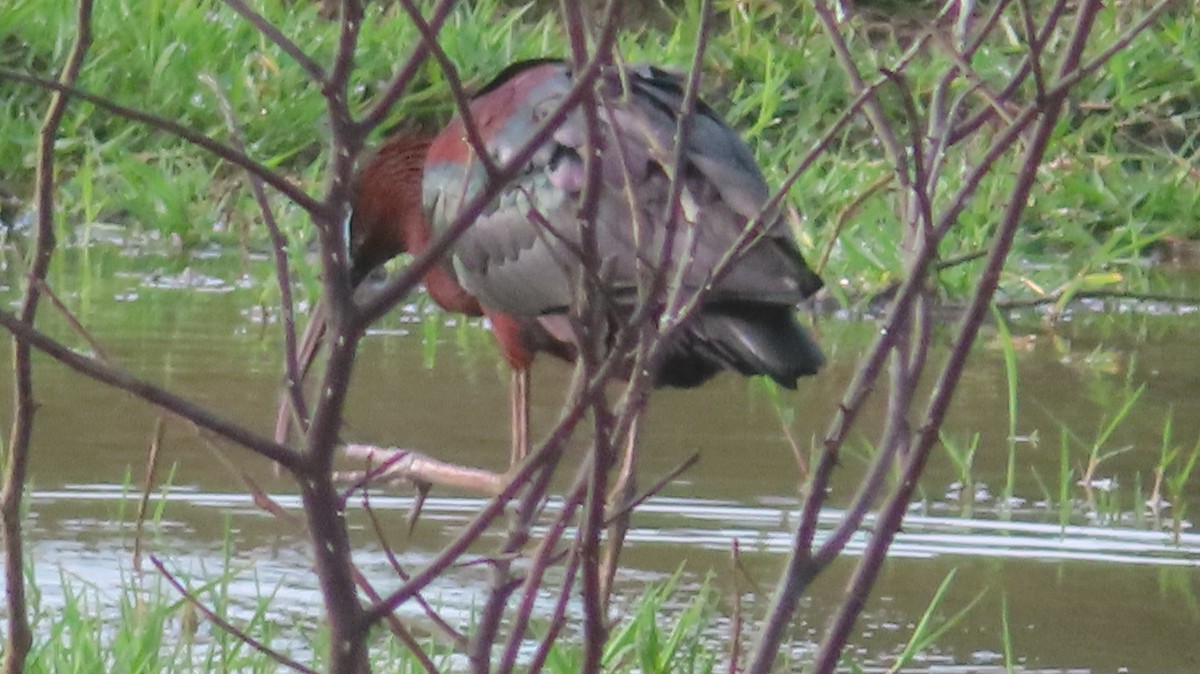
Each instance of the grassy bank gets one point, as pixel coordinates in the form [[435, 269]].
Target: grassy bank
[[1121, 187], [1116, 191]]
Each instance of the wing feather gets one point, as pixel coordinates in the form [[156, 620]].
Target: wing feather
[[516, 257]]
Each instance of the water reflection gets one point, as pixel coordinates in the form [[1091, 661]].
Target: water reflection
[[1097, 585]]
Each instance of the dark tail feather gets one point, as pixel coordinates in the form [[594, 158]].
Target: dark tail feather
[[748, 338]]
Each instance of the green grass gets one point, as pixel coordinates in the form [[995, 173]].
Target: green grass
[[1121, 179], [1122, 171], [147, 628]]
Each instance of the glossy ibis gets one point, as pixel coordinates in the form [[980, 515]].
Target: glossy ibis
[[516, 262]]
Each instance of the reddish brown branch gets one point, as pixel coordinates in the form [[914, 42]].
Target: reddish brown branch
[[294, 377], [151, 393], [19, 638], [272, 33], [220, 150], [230, 628]]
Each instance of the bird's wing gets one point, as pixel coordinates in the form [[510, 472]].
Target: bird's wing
[[518, 256]]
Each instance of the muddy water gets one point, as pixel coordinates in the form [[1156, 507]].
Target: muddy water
[[1098, 587]]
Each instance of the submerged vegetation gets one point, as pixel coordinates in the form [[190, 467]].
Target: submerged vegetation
[[1114, 218]]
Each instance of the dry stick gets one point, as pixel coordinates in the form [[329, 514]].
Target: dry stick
[[330, 539], [19, 638], [144, 501], [845, 214], [889, 520], [1053, 298], [965, 68], [224, 624], [345, 142], [654, 489], [554, 443], [360, 479], [675, 304], [587, 542], [396, 627], [484, 518], [590, 328], [861, 501], [907, 363], [595, 625], [1035, 50], [558, 616], [859, 387], [187, 134], [646, 323], [919, 184], [909, 351], [502, 586], [972, 124], [258, 495], [735, 622], [872, 109], [394, 463]]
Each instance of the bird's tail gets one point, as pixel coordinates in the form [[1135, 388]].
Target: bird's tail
[[747, 337]]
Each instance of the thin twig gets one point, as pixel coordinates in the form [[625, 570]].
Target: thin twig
[[1054, 298], [889, 520], [19, 638], [283, 277], [72, 320], [219, 621], [538, 565], [147, 486], [272, 33], [218, 149], [461, 100], [404, 75], [397, 628], [459, 639], [151, 393], [654, 489]]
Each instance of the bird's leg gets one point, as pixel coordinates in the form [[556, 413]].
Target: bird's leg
[[619, 498], [519, 401]]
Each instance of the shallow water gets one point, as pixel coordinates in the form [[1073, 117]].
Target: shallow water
[[1099, 586]]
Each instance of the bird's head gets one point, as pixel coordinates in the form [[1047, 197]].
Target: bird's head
[[387, 217]]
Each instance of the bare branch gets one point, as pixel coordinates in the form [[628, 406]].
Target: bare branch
[[221, 150], [151, 393], [283, 277], [230, 628], [400, 80], [461, 101], [19, 638], [272, 33]]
